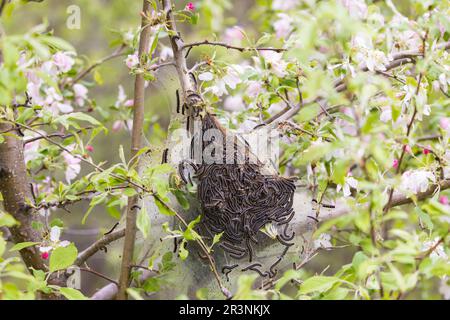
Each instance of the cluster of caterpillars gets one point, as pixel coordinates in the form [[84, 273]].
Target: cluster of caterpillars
[[238, 200]]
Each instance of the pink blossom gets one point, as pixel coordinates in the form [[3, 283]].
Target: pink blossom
[[33, 91], [253, 89], [233, 35], [61, 107], [444, 123], [407, 149], [132, 60], [31, 149], [386, 114], [444, 200], [63, 61], [73, 166], [356, 8], [189, 6], [44, 255], [395, 163], [129, 103], [117, 125], [90, 148], [80, 93], [283, 25]]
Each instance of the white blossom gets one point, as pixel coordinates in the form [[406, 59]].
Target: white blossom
[[284, 5], [275, 62], [323, 241], [254, 88], [438, 252], [283, 26], [63, 61], [54, 242], [80, 93], [206, 76], [234, 103], [414, 181], [386, 114], [73, 166], [356, 8], [350, 182]]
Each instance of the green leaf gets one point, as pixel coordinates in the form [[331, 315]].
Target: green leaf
[[143, 222], [63, 257], [7, 220], [317, 283], [182, 251], [72, 294], [163, 208], [98, 77], [314, 153], [22, 245], [2, 246]]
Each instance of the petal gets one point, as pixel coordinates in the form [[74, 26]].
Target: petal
[[64, 243], [55, 233]]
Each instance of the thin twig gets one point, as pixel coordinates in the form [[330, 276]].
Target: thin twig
[[228, 46], [98, 274], [98, 245], [117, 53]]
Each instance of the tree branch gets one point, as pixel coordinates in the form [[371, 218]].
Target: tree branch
[[136, 144], [228, 46], [98, 245]]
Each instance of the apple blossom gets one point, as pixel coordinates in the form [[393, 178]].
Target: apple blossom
[[73, 166], [132, 60], [63, 61], [80, 93], [323, 241], [356, 8], [53, 242], [233, 35], [234, 103], [275, 62], [284, 5], [350, 182], [283, 26], [254, 88], [444, 123], [414, 181], [117, 125]]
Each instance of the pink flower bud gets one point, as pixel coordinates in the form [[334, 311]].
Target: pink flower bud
[[395, 163], [190, 7], [89, 148], [117, 125], [426, 151], [129, 103], [408, 149], [444, 200], [44, 255]]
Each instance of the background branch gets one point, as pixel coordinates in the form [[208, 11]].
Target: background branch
[[136, 144]]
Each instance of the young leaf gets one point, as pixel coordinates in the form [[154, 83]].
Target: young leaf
[[63, 257]]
